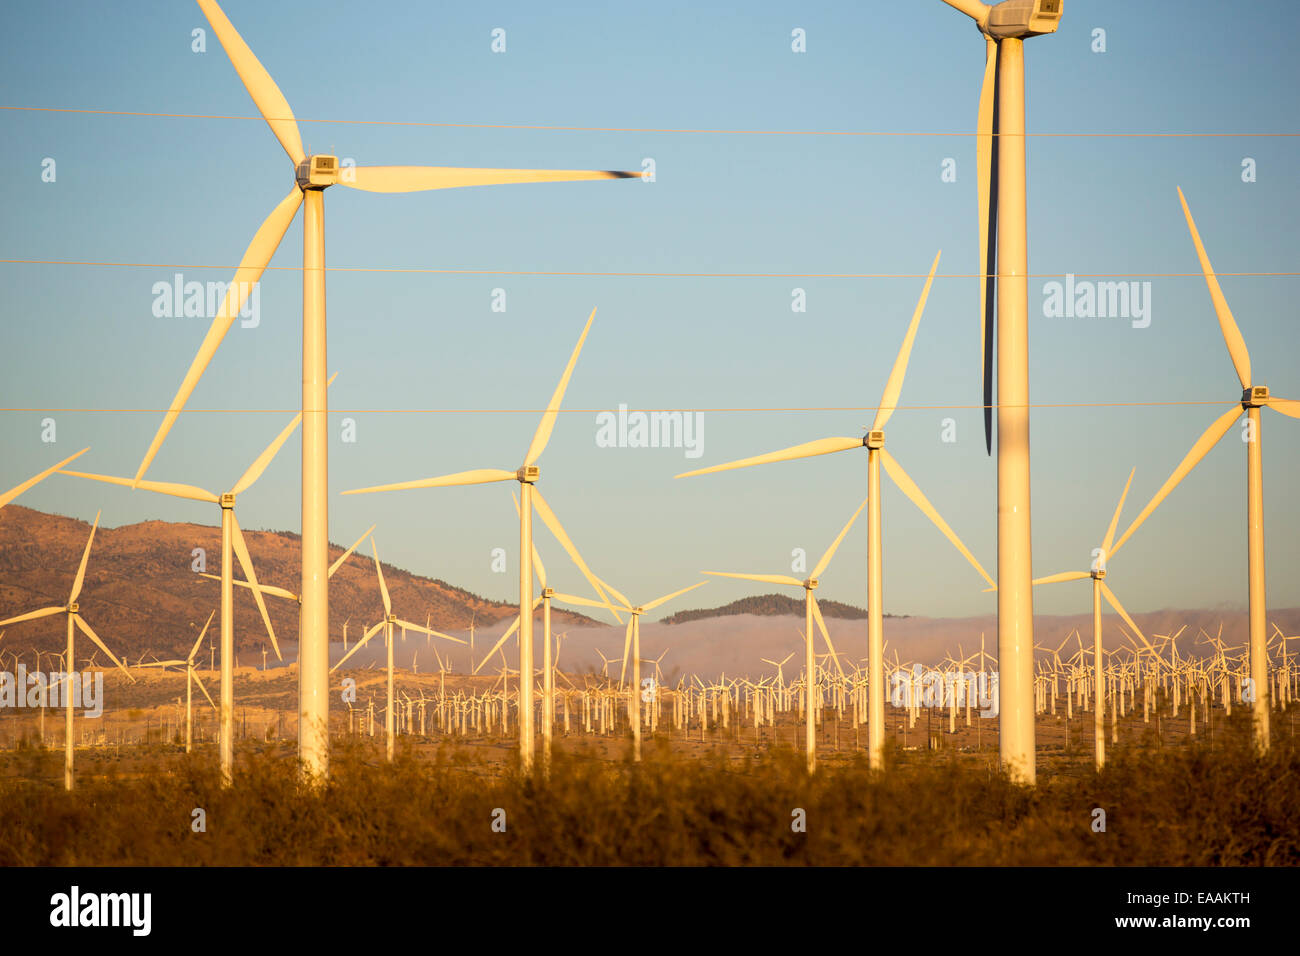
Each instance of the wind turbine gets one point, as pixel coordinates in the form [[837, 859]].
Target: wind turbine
[[1100, 590], [1253, 398], [633, 641], [312, 176], [232, 539], [72, 610], [387, 624], [191, 677], [529, 498], [874, 442], [811, 611], [17, 490], [1000, 171]]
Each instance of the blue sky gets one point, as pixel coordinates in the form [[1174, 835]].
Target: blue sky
[[192, 191]]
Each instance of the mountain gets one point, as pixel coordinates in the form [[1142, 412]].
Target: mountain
[[141, 594], [772, 605]]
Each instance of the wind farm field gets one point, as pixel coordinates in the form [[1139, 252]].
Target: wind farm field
[[1176, 801], [859, 434]]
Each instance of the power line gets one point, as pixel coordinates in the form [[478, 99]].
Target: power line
[[538, 273], [630, 129], [595, 411]]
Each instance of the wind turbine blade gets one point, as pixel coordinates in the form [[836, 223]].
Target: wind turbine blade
[[544, 427], [585, 602], [263, 460], [499, 644], [1110, 532], [1114, 602], [199, 681], [195, 649], [86, 629], [1063, 576], [264, 588], [557, 530], [1227, 324], [1287, 406], [268, 99], [246, 562], [830, 552], [894, 385], [374, 629], [14, 492], [425, 630], [909, 488], [33, 615], [668, 597], [823, 446], [383, 588], [1199, 450], [974, 9], [765, 578], [174, 489], [256, 257], [478, 476], [986, 147], [826, 636], [338, 562], [85, 558], [410, 179]]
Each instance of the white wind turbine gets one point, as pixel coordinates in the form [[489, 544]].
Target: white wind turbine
[[387, 623], [530, 498], [811, 611], [191, 678], [312, 175], [1000, 172], [1101, 590], [74, 618], [874, 442], [232, 540], [632, 642], [1253, 398]]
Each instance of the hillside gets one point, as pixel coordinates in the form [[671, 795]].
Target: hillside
[[140, 594], [771, 605]]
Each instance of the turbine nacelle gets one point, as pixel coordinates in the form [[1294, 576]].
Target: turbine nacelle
[[318, 172], [811, 584], [73, 608], [1254, 397], [874, 438], [1099, 574], [548, 593], [227, 501], [528, 474], [1022, 18]]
